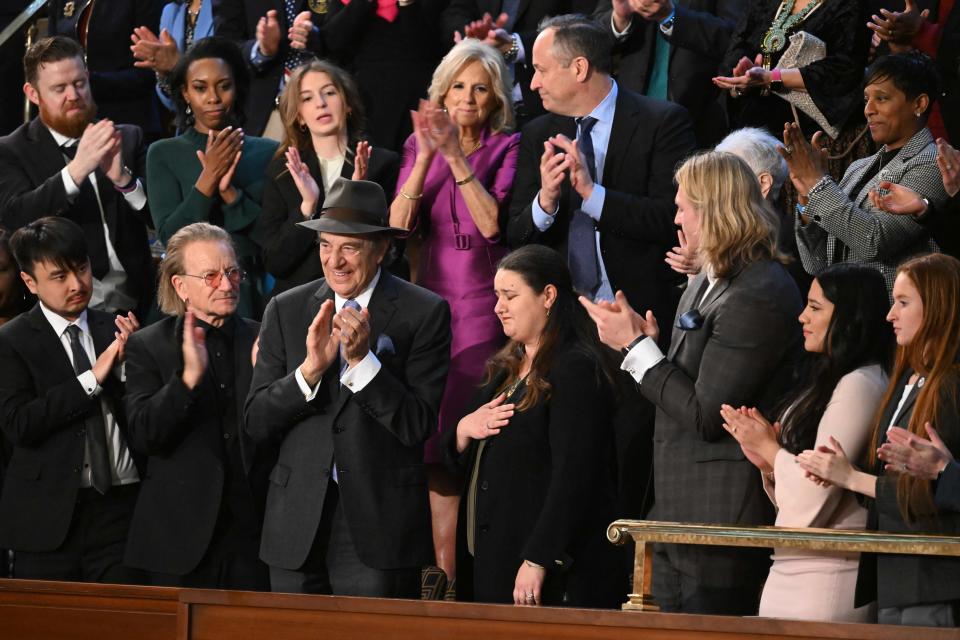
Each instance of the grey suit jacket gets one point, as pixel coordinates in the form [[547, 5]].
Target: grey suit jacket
[[744, 354], [375, 435], [871, 237]]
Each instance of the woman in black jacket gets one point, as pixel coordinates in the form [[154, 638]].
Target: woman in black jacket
[[537, 452], [323, 139]]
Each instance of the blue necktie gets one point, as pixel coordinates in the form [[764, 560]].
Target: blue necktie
[[344, 365], [294, 57], [581, 238]]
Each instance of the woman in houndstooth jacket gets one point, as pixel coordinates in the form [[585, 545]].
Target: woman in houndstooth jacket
[[839, 222]]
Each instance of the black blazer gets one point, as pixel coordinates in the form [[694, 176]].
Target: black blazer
[[42, 412], [907, 580], [529, 14], [237, 20], [123, 92], [701, 33], [375, 435], [649, 138], [31, 188], [179, 430], [290, 252], [545, 492]]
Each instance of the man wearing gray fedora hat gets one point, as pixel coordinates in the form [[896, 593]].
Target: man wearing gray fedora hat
[[348, 382]]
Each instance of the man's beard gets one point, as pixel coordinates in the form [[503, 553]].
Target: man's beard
[[73, 125]]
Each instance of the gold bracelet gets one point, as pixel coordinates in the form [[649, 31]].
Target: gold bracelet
[[469, 178], [409, 197]]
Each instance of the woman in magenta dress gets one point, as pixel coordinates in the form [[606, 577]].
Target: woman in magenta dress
[[454, 187]]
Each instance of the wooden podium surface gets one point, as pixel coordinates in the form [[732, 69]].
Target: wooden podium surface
[[35, 610]]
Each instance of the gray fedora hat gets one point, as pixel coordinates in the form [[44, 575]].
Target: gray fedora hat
[[353, 207]]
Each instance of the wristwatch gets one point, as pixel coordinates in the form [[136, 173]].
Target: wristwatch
[[640, 338]]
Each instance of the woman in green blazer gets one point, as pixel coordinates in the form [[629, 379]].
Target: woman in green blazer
[[212, 172]]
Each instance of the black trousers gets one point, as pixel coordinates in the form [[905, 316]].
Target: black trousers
[[334, 568], [93, 549]]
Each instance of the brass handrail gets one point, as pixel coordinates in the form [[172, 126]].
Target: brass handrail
[[646, 532], [25, 16]]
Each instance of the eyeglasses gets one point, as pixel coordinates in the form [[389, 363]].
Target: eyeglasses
[[690, 321], [212, 279]]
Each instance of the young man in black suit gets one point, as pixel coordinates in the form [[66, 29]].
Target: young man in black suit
[[72, 480], [66, 163], [604, 200], [198, 518], [348, 380]]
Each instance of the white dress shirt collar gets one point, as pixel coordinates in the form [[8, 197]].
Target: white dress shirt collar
[[60, 324]]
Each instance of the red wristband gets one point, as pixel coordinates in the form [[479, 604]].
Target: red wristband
[[775, 75]]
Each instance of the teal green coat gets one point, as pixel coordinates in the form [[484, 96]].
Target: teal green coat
[[172, 172]]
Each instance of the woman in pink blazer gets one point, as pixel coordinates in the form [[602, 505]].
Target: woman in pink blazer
[[849, 344]]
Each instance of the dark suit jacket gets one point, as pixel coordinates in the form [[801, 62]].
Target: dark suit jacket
[[529, 14], [375, 436], [545, 492], [42, 412], [31, 188], [179, 429], [123, 92], [744, 355], [237, 21], [649, 138], [289, 251], [907, 580], [701, 33]]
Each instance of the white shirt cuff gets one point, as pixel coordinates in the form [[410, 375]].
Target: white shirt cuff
[[642, 358], [620, 34], [73, 190], [541, 219], [593, 206], [356, 378], [89, 383], [137, 198], [308, 393]]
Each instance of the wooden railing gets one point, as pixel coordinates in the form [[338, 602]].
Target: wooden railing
[[645, 533]]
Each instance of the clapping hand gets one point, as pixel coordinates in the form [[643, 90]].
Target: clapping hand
[[757, 437], [268, 34], [219, 160], [904, 452], [160, 54], [807, 161], [304, 181], [580, 178], [683, 259], [948, 160], [322, 345], [98, 146], [748, 73], [827, 465], [484, 29], [126, 325], [354, 329], [300, 30], [898, 28], [361, 160], [195, 357], [484, 422], [618, 324]]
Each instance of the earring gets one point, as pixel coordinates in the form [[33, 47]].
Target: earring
[[549, 309], [189, 110], [303, 127]]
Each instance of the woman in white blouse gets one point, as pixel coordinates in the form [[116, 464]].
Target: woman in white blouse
[[850, 345]]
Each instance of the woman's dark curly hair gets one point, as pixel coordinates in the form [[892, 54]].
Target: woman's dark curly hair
[[212, 47]]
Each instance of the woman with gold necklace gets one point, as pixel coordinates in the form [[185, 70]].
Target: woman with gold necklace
[[454, 188], [761, 39]]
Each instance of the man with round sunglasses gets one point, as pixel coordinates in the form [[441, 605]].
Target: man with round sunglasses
[[197, 522]]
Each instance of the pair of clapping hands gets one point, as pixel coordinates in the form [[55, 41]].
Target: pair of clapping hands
[[307, 185], [99, 147], [903, 452], [329, 333]]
